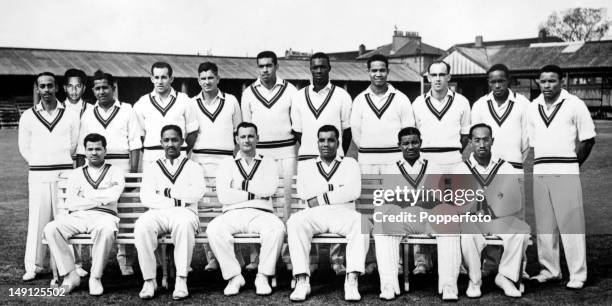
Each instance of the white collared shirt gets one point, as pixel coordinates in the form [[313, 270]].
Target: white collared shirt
[[79, 108], [47, 141], [217, 121], [270, 111], [118, 124], [375, 122], [338, 183], [242, 185], [442, 123], [508, 122], [100, 188], [153, 114], [324, 107], [553, 132]]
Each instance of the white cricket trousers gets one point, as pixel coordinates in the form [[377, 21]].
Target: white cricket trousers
[[42, 207], [100, 225], [335, 219], [182, 224], [558, 209], [514, 234], [388, 246], [220, 233]]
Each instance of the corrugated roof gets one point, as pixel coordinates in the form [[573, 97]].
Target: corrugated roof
[[409, 49], [23, 61], [594, 54], [521, 42]]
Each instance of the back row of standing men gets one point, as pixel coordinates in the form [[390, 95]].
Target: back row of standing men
[[284, 116]]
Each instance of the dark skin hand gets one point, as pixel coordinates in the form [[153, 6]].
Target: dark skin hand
[[583, 150]]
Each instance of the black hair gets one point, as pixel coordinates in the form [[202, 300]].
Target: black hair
[[93, 137], [101, 75], [46, 73], [246, 125], [267, 54], [552, 68], [408, 131], [378, 58], [206, 66], [481, 125], [75, 73], [172, 127], [162, 65], [329, 128], [320, 55], [499, 67]]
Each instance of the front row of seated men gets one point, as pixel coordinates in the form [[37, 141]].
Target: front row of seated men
[[329, 184]]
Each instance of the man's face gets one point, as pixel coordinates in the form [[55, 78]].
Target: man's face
[[320, 68], [498, 83], [438, 76], [267, 69], [550, 84], [378, 73], [95, 153], [481, 142], [410, 146], [208, 80], [74, 88], [161, 80], [328, 144], [104, 92], [171, 142], [247, 139], [45, 86]]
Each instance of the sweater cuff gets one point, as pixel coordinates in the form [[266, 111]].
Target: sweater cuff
[[250, 196], [245, 185], [323, 199], [330, 187], [167, 193]]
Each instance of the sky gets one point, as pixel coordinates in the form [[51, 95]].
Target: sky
[[243, 28]]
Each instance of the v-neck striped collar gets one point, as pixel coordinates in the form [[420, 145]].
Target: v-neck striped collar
[[268, 103], [333, 168], [172, 176], [114, 111], [500, 119], [449, 101], [379, 111], [212, 116], [247, 175], [157, 105], [58, 116], [414, 182], [96, 183], [317, 111], [484, 179]]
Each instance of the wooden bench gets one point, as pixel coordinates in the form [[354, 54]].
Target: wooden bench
[[130, 208]]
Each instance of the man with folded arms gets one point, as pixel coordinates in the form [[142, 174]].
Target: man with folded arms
[[244, 186], [171, 189], [499, 180], [92, 193], [330, 184]]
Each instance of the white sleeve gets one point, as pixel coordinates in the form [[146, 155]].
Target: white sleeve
[[356, 120], [24, 135], [345, 111], [584, 122]]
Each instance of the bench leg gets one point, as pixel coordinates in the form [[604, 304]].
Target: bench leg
[[164, 263], [55, 281], [406, 266]]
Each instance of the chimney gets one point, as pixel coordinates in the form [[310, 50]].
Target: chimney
[[542, 35], [478, 41], [401, 38], [362, 49]]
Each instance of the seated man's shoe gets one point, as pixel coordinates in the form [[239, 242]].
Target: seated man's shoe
[[29, 276], [544, 278], [148, 289], [575, 284], [95, 286], [180, 288], [302, 289], [449, 294], [507, 285], [80, 271], [234, 285], [212, 265], [387, 292], [262, 286], [473, 290], [71, 281], [351, 288]]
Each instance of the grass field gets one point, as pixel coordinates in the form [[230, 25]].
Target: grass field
[[206, 288]]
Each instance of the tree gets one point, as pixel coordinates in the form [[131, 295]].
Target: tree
[[578, 24]]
